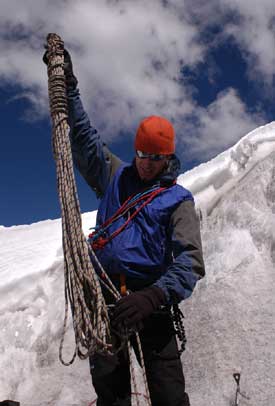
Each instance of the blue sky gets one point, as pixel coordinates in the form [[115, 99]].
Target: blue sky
[[210, 69]]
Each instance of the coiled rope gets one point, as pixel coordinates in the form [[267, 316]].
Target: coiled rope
[[90, 315], [82, 288]]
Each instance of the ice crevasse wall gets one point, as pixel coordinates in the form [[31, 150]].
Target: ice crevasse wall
[[231, 316]]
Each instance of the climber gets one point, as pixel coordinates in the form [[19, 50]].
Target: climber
[[147, 239]]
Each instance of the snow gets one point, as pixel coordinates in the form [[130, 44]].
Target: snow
[[230, 318], [212, 180]]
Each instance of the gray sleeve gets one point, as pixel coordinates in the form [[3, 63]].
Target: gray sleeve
[[187, 265], [186, 233], [115, 162]]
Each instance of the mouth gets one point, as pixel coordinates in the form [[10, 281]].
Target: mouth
[[146, 172]]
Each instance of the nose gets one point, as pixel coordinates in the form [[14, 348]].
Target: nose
[[147, 161]]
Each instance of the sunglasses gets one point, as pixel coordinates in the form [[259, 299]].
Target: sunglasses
[[152, 157]]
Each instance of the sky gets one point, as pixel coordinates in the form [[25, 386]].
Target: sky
[[207, 66], [229, 319]]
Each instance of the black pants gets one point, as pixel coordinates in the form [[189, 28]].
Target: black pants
[[111, 376]]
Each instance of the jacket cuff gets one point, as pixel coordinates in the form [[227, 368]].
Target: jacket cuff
[[157, 296]]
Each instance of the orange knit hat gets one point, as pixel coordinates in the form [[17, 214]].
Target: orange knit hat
[[155, 135]]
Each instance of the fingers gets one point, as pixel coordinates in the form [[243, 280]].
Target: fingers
[[124, 312], [67, 57], [45, 58]]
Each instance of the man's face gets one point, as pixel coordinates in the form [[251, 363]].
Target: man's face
[[149, 169]]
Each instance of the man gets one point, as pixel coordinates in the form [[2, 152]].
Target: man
[[148, 241]]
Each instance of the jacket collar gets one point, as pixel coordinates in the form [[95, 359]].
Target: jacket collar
[[166, 177]]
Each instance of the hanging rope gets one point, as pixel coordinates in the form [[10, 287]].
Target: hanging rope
[[82, 288], [90, 316]]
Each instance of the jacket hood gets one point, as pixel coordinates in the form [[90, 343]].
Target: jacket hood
[[172, 172]]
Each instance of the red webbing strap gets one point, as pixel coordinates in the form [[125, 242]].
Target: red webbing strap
[[123, 287], [101, 241]]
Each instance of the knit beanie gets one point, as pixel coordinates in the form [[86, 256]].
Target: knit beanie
[[155, 135]]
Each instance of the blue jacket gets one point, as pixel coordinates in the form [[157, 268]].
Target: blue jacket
[[162, 244]]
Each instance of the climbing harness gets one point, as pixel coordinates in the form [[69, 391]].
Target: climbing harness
[[82, 287], [98, 239]]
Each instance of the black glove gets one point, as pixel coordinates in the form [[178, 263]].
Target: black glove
[[132, 309], [71, 80]]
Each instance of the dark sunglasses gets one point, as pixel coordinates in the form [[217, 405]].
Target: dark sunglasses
[[152, 157]]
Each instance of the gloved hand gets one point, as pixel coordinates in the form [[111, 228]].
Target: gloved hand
[[132, 309], [71, 80]]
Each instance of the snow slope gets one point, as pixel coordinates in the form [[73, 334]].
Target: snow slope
[[230, 319], [231, 316]]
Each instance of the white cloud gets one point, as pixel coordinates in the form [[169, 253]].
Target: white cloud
[[251, 23], [256, 34], [127, 56], [218, 127], [132, 60]]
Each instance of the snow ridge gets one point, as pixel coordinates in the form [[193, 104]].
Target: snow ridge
[[211, 180]]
